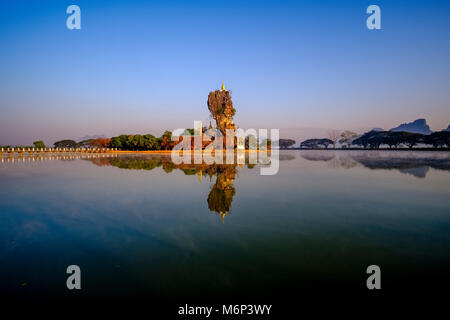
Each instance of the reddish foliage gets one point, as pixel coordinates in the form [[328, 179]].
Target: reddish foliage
[[167, 144], [101, 143]]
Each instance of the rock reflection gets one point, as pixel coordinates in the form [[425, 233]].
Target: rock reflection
[[413, 163], [221, 194]]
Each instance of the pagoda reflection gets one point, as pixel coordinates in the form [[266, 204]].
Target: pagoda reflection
[[222, 192]]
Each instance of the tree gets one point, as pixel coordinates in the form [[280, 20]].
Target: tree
[[347, 138], [165, 141], [151, 142], [286, 143], [368, 138], [137, 142], [39, 144], [143, 142], [315, 143], [392, 139], [85, 143], [411, 139], [65, 144], [333, 135], [101, 143], [439, 139], [374, 139], [167, 134], [116, 143]]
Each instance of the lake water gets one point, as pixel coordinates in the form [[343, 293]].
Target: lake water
[[141, 227]]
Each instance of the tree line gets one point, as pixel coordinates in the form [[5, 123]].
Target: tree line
[[374, 139], [142, 142]]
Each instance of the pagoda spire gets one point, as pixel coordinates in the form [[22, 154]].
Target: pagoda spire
[[223, 86]]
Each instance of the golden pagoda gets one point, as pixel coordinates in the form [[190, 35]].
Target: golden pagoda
[[223, 86], [223, 214]]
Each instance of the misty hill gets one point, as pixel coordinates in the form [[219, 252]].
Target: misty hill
[[92, 137], [417, 126], [448, 128], [302, 134]]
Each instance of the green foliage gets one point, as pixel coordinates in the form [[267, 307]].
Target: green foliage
[[116, 143], [167, 134], [190, 171], [65, 144], [136, 163], [39, 144], [219, 199], [189, 132], [136, 142], [151, 143], [119, 142], [168, 167], [142, 142], [85, 143]]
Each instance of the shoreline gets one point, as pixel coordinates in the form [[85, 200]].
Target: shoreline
[[368, 149], [170, 151], [6, 154], [105, 152]]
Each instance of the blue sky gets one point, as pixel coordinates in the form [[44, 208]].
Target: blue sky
[[147, 66]]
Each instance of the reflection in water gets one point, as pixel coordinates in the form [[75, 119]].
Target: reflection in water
[[286, 156], [419, 172], [318, 156], [413, 163], [221, 194], [64, 157], [285, 233]]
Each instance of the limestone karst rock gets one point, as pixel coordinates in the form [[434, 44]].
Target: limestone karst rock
[[417, 126], [221, 108]]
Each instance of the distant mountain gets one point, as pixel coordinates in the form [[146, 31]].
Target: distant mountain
[[378, 129], [417, 126], [301, 134], [448, 129], [92, 137]]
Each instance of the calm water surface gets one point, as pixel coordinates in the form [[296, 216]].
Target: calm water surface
[[140, 226]]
